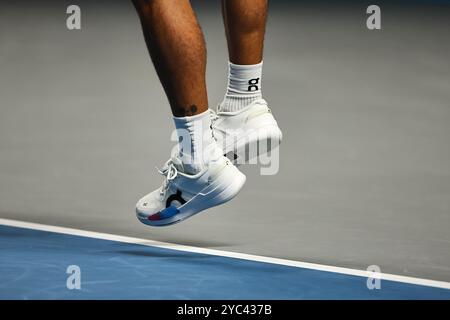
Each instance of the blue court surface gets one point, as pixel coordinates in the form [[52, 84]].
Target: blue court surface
[[33, 265]]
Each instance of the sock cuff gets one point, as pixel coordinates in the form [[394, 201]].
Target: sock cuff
[[245, 66], [244, 86], [186, 119]]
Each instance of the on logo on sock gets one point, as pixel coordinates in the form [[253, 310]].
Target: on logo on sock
[[253, 84]]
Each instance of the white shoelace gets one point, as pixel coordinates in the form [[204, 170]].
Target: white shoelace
[[170, 172], [213, 115]]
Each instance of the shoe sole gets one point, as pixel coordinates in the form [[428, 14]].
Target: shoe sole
[[223, 189], [250, 147]]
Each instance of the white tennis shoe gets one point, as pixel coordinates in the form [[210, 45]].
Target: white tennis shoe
[[245, 134], [183, 195]]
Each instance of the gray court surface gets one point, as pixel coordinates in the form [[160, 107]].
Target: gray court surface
[[364, 173]]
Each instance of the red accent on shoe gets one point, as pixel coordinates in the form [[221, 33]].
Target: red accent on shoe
[[155, 216]]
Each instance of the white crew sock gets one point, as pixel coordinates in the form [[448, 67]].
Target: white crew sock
[[194, 140], [244, 86]]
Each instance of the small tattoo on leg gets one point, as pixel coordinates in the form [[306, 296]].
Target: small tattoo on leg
[[192, 109], [187, 111]]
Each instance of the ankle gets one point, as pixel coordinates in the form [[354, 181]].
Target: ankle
[[194, 140], [244, 86]]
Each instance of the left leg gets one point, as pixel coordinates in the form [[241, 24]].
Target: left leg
[[245, 26], [244, 120]]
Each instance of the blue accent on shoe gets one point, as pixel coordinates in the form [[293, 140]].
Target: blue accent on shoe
[[168, 213]]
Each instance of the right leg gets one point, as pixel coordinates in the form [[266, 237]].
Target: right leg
[[177, 48], [198, 176], [178, 52]]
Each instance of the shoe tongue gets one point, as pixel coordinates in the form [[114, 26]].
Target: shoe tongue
[[177, 163], [212, 153], [186, 167]]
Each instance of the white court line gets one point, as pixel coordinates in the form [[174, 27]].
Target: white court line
[[244, 256]]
